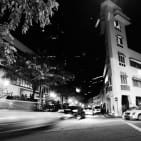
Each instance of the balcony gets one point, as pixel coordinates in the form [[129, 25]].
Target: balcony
[[125, 87]]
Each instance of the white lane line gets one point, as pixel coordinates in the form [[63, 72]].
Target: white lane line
[[134, 126]]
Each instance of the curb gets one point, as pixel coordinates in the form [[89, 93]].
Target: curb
[[111, 116]]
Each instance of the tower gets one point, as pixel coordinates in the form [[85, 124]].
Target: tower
[[112, 23]]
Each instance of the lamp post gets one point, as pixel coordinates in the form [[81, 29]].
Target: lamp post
[[78, 90]]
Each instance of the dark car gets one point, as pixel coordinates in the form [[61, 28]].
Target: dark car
[[71, 109]]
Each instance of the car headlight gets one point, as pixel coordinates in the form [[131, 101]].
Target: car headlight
[[74, 110]]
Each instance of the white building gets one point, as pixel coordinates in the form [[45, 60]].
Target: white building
[[122, 73], [19, 86]]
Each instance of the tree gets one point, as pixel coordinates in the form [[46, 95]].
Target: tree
[[40, 72], [24, 13]]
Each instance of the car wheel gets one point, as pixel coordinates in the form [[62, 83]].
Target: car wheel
[[139, 117]]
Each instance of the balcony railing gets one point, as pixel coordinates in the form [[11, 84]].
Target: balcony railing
[[125, 87]]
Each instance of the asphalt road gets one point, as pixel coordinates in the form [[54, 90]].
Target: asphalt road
[[97, 128]]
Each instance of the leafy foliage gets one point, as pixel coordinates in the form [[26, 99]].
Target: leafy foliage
[[24, 13], [27, 12], [38, 72], [7, 49]]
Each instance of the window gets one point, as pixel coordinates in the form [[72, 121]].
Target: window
[[119, 40], [136, 82], [23, 83], [123, 78], [135, 63], [138, 101], [117, 25], [121, 58]]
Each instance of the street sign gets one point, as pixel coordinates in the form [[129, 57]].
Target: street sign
[[116, 99]]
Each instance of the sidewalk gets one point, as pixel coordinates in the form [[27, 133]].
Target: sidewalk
[[111, 116]]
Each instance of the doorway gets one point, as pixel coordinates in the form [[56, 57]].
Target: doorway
[[138, 100], [125, 103]]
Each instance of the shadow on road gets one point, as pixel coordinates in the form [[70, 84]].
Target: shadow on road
[[14, 134]]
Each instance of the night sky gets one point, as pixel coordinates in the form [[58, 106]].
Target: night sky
[[72, 36]]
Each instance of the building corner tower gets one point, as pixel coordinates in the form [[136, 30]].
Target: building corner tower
[[112, 23]]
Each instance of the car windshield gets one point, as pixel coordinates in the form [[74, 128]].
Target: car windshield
[[73, 107], [97, 107], [88, 108]]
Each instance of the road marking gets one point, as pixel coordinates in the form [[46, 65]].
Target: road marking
[[134, 126]]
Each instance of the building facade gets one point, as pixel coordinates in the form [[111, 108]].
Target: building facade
[[18, 86], [122, 72]]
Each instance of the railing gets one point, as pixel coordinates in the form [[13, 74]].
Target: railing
[[125, 87]]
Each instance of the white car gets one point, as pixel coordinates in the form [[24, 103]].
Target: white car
[[133, 113], [96, 109], [88, 111]]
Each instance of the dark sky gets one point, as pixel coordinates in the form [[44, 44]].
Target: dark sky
[[73, 36]]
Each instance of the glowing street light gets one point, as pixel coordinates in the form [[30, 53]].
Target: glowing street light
[[6, 82], [75, 102], [78, 90], [52, 94], [70, 100]]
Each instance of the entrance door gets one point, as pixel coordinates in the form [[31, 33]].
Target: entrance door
[[138, 100], [125, 103], [108, 107]]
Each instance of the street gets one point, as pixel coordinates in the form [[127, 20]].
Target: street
[[96, 128], [70, 78]]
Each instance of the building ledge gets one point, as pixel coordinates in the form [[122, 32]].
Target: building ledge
[[121, 17]]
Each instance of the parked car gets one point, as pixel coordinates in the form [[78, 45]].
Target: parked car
[[88, 111], [72, 112], [96, 109], [74, 109], [60, 110], [69, 110], [133, 113]]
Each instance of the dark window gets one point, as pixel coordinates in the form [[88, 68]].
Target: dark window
[[135, 64], [119, 39], [138, 101], [136, 82], [117, 25], [121, 58]]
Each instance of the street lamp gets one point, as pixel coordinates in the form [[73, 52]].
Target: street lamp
[[70, 100], [52, 94], [78, 90], [6, 82]]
